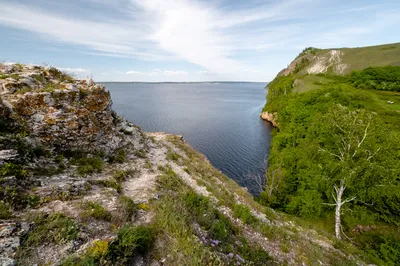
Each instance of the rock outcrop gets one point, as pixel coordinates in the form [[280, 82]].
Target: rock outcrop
[[320, 62], [57, 110], [270, 117]]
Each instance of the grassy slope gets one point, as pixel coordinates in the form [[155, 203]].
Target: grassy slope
[[356, 59]]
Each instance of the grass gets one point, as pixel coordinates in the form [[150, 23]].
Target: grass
[[130, 241], [179, 209], [223, 188], [95, 210], [54, 228], [243, 213], [372, 56], [5, 211], [119, 156], [129, 207], [173, 156], [121, 175], [88, 165]]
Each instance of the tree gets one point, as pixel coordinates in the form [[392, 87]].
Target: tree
[[350, 151]]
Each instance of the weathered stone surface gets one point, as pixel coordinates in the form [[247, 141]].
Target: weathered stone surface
[[7, 155], [59, 111], [10, 236], [270, 117]]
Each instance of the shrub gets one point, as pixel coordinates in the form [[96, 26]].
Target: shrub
[[119, 156], [98, 250], [222, 229], [379, 78], [83, 94], [148, 164], [88, 165], [141, 153], [384, 245], [130, 241], [243, 213], [172, 156], [129, 207], [10, 169], [109, 183], [56, 228], [120, 175], [33, 200], [95, 210], [5, 211]]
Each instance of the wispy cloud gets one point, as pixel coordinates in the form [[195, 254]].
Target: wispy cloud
[[158, 72], [74, 70]]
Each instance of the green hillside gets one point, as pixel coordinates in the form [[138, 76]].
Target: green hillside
[[321, 63], [334, 160]]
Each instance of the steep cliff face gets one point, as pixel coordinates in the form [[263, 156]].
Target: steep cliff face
[[56, 110], [315, 61]]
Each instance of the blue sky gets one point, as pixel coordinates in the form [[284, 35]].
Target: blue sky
[[186, 40]]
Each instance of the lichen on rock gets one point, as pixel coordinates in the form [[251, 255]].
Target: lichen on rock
[[57, 110]]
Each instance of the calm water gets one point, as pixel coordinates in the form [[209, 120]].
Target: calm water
[[220, 120]]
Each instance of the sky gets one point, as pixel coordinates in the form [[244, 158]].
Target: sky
[[186, 40]]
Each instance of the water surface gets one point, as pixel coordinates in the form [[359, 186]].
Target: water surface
[[219, 120]]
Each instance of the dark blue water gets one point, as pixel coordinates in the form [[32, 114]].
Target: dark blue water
[[219, 120]]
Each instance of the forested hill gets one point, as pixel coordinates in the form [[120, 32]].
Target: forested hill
[[334, 159]]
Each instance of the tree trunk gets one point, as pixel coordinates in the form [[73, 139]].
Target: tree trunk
[[339, 203]]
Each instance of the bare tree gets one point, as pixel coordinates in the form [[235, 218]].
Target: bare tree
[[256, 181], [350, 132]]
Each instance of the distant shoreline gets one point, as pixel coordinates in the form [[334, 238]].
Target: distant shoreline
[[187, 82]]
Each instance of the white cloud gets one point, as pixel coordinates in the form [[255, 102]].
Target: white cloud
[[74, 70], [158, 72], [134, 72], [8, 63]]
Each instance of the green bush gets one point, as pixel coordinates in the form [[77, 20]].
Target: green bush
[[5, 211], [129, 207], [379, 78], [119, 156], [172, 156], [243, 213], [141, 153], [33, 200], [382, 245], [88, 165], [111, 183], [95, 210], [222, 228], [10, 169], [121, 175], [130, 241]]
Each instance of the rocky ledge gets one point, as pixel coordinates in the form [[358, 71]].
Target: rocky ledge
[[56, 110], [270, 117]]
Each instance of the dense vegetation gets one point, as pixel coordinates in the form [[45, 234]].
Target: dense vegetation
[[379, 78], [342, 136]]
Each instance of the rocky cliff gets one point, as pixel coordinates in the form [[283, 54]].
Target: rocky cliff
[[57, 111], [82, 186], [270, 117]]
